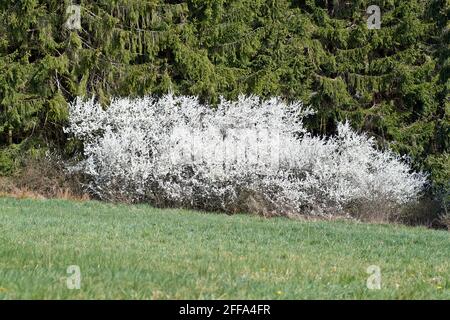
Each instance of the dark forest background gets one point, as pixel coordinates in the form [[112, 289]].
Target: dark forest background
[[392, 82]]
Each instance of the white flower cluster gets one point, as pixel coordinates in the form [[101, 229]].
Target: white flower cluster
[[175, 151]]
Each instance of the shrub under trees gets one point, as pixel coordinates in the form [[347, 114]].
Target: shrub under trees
[[392, 83], [244, 155]]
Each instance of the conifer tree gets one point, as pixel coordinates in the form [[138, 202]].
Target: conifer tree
[[392, 82]]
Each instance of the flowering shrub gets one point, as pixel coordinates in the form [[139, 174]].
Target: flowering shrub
[[249, 155]]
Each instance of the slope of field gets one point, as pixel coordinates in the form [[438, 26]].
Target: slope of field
[[146, 253]]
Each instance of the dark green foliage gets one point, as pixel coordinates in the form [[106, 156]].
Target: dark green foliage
[[393, 82]]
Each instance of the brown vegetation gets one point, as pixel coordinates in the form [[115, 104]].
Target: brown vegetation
[[41, 179]]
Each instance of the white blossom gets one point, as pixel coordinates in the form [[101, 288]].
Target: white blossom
[[174, 150]]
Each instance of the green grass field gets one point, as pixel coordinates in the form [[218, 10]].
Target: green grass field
[[138, 252]]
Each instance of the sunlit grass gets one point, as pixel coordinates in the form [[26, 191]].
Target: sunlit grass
[[146, 253]]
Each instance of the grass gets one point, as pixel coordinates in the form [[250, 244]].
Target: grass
[[139, 252]]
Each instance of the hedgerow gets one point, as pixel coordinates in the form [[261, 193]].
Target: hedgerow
[[250, 154]]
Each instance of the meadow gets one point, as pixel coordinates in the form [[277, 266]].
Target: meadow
[[140, 252]]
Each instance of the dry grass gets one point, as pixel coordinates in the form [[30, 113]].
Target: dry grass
[[43, 179], [445, 220]]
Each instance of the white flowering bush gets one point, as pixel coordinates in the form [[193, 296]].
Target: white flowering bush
[[244, 155]]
